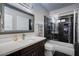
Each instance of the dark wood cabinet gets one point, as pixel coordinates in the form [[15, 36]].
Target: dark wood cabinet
[[36, 49]]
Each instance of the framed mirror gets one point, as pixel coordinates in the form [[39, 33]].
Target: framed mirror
[[15, 20]]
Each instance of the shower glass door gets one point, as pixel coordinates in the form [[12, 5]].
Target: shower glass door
[[66, 26]]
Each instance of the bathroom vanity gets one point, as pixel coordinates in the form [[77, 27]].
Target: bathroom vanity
[[28, 47], [37, 49]]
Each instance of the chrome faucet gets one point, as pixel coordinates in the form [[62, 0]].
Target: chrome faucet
[[23, 36]]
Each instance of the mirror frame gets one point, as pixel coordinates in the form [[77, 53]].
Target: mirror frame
[[14, 31]]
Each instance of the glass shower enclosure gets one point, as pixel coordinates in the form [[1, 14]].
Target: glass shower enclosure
[[65, 27]]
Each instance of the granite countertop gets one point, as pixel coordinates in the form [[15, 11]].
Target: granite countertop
[[10, 47]]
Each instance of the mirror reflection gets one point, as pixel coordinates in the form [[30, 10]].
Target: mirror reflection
[[17, 20]]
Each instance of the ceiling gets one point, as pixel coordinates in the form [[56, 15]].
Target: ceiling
[[54, 6]]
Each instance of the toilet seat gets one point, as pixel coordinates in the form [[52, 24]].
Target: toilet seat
[[49, 46]]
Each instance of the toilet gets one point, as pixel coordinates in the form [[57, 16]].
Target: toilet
[[49, 49]]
